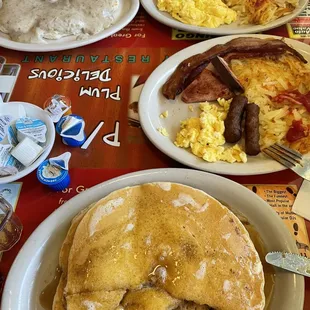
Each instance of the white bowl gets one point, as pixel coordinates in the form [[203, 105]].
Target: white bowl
[[34, 112]]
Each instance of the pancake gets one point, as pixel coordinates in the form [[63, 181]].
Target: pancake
[[59, 302], [149, 299], [167, 244], [95, 300]]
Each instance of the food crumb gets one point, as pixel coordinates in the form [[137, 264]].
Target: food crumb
[[164, 114], [191, 108], [163, 131]]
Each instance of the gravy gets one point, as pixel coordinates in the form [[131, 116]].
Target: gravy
[[33, 21]]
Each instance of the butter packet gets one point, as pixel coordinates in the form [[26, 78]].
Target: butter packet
[[17, 110], [27, 151], [12, 134], [8, 164], [35, 129], [5, 121]]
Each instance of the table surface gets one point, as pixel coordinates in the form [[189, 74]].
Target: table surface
[[131, 55]]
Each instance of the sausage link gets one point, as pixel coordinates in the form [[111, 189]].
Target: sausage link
[[233, 130], [252, 129]]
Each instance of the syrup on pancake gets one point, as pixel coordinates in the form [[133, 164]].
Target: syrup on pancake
[[126, 250]]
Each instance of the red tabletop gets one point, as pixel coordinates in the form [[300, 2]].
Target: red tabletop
[[131, 55]]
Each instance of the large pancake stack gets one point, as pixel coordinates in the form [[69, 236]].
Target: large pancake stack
[[159, 246]]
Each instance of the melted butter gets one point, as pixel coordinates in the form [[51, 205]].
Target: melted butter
[[48, 293]]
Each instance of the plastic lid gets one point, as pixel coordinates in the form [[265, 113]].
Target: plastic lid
[[50, 175]]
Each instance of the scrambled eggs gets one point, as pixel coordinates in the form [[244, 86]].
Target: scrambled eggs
[[204, 136], [205, 13], [163, 131], [164, 114]]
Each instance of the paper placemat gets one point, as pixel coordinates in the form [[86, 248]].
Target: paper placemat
[[281, 198]]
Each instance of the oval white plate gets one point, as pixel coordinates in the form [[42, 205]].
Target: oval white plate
[[34, 112], [35, 264], [165, 18], [126, 12], [152, 103]]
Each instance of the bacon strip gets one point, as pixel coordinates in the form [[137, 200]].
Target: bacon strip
[[194, 65], [294, 97]]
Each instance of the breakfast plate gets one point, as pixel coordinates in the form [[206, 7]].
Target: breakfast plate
[[35, 113], [233, 28], [152, 104], [126, 11], [35, 264]]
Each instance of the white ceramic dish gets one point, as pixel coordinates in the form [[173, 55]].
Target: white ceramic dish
[[126, 12], [165, 18], [35, 264], [152, 103], [34, 112]]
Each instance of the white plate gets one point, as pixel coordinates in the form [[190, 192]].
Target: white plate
[[126, 12], [152, 103], [233, 28], [34, 112], [35, 264]]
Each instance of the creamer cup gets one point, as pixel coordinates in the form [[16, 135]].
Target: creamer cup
[[71, 129], [54, 172], [35, 129], [61, 161]]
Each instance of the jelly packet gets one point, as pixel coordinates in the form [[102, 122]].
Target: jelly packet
[[57, 106], [35, 129]]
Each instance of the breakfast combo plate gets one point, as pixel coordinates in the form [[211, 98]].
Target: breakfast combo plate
[[203, 252], [225, 17], [59, 25], [219, 104]]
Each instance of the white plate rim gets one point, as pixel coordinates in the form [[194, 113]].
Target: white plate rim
[[181, 155], [43, 156], [166, 19], [73, 206], [53, 47]]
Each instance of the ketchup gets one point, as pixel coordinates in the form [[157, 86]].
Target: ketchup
[[296, 132]]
